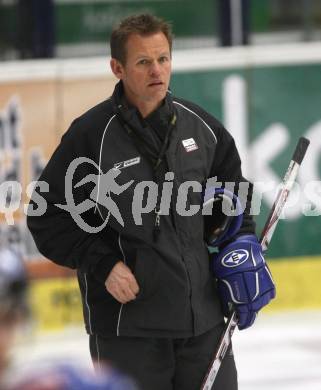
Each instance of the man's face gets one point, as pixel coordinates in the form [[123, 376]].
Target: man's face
[[147, 70]]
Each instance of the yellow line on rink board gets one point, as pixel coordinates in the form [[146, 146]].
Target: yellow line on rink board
[[55, 303], [298, 283]]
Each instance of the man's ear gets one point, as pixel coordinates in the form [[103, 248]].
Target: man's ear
[[117, 68]]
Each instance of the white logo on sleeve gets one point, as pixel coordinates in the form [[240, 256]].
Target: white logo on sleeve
[[235, 258], [189, 144]]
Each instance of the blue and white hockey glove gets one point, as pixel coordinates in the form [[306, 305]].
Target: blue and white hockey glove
[[244, 279]]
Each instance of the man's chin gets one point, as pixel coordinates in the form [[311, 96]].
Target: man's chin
[[158, 95]]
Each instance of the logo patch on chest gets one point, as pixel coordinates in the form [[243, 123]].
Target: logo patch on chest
[[189, 144], [127, 163]]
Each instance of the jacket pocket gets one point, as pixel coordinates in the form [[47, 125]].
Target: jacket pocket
[[146, 272], [193, 166]]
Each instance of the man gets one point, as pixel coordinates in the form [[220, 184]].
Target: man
[[150, 301]]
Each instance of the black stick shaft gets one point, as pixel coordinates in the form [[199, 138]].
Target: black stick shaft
[[300, 150]]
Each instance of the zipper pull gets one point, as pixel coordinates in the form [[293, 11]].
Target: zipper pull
[[157, 222]]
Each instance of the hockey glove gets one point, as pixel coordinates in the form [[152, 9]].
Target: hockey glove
[[244, 279]]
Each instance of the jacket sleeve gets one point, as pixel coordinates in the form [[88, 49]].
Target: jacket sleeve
[[56, 234], [227, 168]]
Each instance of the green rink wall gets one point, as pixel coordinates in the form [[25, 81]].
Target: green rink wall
[[267, 109], [91, 21]]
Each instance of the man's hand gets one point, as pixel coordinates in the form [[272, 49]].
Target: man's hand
[[121, 283]]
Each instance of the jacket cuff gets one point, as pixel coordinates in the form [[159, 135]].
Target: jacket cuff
[[103, 268]]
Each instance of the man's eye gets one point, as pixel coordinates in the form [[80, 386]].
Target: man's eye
[[163, 59], [143, 62]]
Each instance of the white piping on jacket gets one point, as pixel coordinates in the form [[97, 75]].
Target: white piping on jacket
[[97, 208], [88, 308], [100, 156], [194, 113]]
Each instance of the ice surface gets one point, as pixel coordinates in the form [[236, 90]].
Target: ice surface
[[280, 352]]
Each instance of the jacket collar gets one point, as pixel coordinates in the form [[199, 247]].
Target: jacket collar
[[130, 114]]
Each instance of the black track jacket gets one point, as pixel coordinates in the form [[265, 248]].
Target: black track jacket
[[177, 295]]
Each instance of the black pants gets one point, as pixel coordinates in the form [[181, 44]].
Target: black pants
[[166, 364]]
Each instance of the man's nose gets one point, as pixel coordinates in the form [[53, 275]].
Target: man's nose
[[155, 69]]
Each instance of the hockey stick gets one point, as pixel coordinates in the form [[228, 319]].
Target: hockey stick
[[265, 240]]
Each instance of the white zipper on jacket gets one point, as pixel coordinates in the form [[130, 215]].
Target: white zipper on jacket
[[121, 307]]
